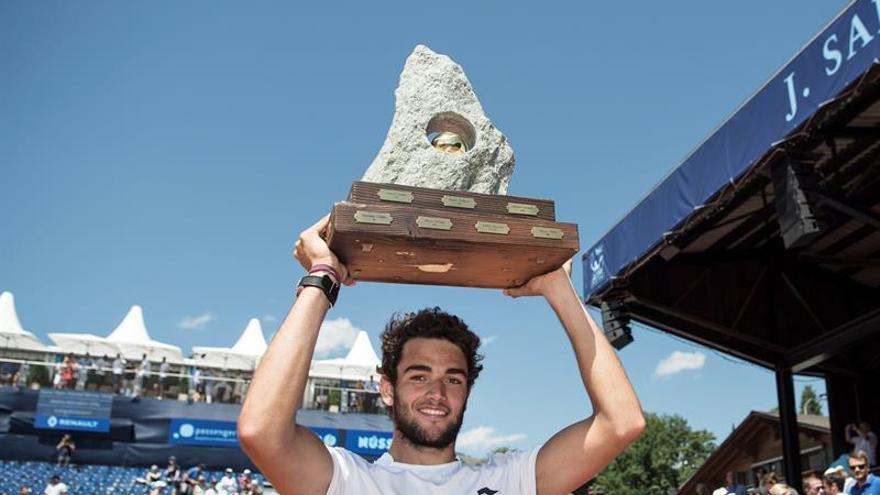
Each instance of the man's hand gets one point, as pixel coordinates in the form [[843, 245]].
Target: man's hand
[[311, 249], [542, 284]]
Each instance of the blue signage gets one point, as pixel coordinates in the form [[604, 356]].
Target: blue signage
[[67, 410], [828, 65], [211, 433], [368, 442]]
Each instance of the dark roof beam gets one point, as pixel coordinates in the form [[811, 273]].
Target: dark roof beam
[[829, 344], [853, 211]]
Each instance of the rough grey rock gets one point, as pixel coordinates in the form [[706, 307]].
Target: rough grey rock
[[434, 95]]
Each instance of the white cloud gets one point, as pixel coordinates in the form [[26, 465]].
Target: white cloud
[[335, 335], [195, 322], [488, 339], [680, 361], [267, 318], [485, 438]]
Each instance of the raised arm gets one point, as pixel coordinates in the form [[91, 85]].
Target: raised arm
[[580, 451], [292, 457]]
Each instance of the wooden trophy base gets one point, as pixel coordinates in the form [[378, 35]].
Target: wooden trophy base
[[402, 234]]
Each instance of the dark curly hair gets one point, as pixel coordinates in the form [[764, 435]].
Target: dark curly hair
[[429, 323]]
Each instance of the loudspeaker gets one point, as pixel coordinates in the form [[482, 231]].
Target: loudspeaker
[[615, 323], [797, 210]]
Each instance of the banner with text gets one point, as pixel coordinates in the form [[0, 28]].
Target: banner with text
[[67, 410], [210, 433]]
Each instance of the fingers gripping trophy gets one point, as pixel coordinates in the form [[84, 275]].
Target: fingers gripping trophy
[[432, 209]]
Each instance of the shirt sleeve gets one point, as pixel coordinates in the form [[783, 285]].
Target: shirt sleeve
[[345, 467], [520, 471]]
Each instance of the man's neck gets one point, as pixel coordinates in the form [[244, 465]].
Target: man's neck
[[404, 451]]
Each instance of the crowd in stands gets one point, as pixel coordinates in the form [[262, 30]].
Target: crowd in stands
[[850, 474], [161, 380], [34, 478]]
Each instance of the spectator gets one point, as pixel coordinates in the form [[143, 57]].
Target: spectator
[[209, 386], [253, 488], [7, 373], [760, 487], [372, 389], [782, 489], [863, 439], [163, 377], [732, 486], [118, 370], [769, 480], [813, 484], [21, 377], [82, 371], [238, 388], [209, 489], [834, 482], [141, 376], [865, 482], [195, 384], [24, 490], [65, 449], [703, 489], [227, 484], [55, 486], [154, 480], [101, 365], [68, 380], [198, 487], [172, 472], [191, 477], [245, 479]]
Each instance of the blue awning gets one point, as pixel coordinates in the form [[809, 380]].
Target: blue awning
[[829, 63]]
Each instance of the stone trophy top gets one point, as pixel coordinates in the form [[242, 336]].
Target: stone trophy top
[[440, 137]]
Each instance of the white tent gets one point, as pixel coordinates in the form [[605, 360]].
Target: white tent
[[85, 343], [133, 340], [360, 362], [12, 335], [241, 356]]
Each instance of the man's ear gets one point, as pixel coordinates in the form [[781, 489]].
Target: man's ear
[[386, 389]]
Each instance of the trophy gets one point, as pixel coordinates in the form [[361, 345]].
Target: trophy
[[432, 208]]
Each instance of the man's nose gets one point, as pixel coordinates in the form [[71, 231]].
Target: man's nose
[[437, 389]]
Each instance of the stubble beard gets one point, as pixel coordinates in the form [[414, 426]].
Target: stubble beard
[[418, 436]]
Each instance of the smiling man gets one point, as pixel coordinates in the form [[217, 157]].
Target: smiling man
[[429, 366]]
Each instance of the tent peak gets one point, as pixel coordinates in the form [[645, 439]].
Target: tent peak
[[9, 322]]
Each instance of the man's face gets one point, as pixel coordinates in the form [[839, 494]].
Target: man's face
[[431, 393], [729, 478], [814, 486], [831, 489], [859, 469]]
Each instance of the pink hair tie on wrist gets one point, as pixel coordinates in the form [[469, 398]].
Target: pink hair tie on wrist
[[320, 267]]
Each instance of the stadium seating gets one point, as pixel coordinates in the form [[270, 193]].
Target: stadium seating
[[80, 479]]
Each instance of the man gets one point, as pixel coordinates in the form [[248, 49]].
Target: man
[[83, 366], [101, 365], [142, 376], [865, 482], [429, 365], [227, 484], [118, 370], [163, 377], [55, 487], [191, 478], [813, 484], [863, 439], [834, 482], [65, 449], [732, 486], [372, 389]]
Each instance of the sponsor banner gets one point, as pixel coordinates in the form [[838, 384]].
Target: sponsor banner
[[368, 442], [73, 410], [210, 433], [52, 422]]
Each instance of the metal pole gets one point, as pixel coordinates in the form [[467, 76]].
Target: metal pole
[[788, 426]]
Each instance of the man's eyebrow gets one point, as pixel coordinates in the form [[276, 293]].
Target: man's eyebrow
[[456, 371], [417, 367]]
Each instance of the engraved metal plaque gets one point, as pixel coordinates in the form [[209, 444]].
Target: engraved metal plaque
[[435, 223], [492, 228], [522, 209], [459, 202], [395, 196], [374, 217], [547, 233]]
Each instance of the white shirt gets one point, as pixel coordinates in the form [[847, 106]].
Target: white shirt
[[58, 489], [511, 473]]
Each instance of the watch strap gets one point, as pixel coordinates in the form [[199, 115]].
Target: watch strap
[[324, 282]]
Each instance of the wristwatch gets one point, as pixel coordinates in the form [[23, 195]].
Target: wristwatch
[[324, 282]]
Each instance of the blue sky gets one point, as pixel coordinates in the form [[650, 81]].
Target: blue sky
[[167, 154]]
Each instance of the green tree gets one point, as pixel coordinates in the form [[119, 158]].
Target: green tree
[[810, 402], [667, 454]]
